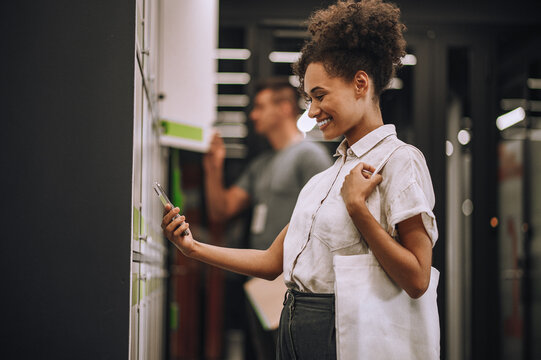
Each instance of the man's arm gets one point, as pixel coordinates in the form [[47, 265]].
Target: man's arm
[[222, 203]]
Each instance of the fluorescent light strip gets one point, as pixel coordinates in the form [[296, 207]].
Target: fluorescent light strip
[[396, 84], [305, 123], [511, 118], [409, 59], [284, 56], [534, 83], [232, 78], [231, 116], [233, 100], [232, 130], [294, 80], [291, 57], [232, 54]]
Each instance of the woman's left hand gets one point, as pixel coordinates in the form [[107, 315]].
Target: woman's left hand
[[358, 185]]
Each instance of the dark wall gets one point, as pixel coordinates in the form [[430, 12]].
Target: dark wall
[[413, 11], [66, 165]]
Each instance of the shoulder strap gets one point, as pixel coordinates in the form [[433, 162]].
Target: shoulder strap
[[387, 157]]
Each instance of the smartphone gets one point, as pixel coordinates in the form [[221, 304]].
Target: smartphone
[[165, 200]]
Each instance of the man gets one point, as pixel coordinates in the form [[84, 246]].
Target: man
[[271, 182]]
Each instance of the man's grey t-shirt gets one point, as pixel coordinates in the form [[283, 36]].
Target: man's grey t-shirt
[[273, 180]]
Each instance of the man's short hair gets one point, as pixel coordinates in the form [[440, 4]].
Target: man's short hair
[[282, 90]]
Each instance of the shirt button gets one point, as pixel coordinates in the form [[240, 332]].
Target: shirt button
[[350, 152]]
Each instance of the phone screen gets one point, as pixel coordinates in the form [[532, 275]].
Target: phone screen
[[161, 194], [165, 200]]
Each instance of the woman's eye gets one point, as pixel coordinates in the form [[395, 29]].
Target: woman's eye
[[320, 97]]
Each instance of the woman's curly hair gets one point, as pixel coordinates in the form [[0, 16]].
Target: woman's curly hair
[[351, 36]]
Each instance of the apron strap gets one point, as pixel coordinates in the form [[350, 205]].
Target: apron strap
[[375, 197], [387, 157]]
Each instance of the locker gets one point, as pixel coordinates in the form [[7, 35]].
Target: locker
[[134, 312], [137, 158]]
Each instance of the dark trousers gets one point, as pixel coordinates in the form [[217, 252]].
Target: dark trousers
[[307, 329]]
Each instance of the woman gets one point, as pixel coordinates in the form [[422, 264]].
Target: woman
[[351, 58]]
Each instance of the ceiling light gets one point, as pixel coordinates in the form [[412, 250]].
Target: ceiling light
[[306, 123], [232, 54], [408, 59], [511, 118], [449, 148], [464, 137], [284, 56], [396, 84], [232, 78], [534, 83]]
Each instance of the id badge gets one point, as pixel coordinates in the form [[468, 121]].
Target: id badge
[[259, 218]]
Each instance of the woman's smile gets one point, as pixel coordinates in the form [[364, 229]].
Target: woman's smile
[[322, 124]]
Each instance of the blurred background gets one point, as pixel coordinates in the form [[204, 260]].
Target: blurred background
[[102, 98]]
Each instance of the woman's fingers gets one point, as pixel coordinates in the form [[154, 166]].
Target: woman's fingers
[[364, 169], [180, 230], [369, 168], [166, 209], [173, 225], [169, 216], [377, 179]]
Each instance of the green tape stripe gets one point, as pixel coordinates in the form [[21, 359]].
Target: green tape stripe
[[141, 289], [173, 316], [134, 290], [182, 131]]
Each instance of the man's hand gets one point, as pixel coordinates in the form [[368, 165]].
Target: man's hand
[[214, 158]]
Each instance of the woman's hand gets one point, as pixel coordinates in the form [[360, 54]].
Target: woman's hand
[[173, 230], [358, 185]]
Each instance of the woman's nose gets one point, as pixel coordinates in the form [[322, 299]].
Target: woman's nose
[[313, 110]]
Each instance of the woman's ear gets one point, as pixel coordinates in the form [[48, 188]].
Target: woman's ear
[[361, 81]]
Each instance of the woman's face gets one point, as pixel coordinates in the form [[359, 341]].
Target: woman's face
[[336, 103]]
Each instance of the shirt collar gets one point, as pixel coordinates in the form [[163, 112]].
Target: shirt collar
[[367, 142]]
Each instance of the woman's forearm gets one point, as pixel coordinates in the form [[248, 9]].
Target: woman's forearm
[[266, 264], [409, 268], [249, 262]]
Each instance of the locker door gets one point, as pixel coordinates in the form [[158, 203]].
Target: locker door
[[143, 310], [137, 159], [134, 312]]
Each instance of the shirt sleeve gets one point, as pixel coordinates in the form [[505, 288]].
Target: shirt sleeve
[[410, 191]]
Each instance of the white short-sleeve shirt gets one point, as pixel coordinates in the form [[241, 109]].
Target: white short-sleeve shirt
[[321, 227]]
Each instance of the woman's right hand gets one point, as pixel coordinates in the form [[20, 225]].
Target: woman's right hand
[[173, 230]]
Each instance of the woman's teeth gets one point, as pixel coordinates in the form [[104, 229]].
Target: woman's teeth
[[324, 122]]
